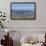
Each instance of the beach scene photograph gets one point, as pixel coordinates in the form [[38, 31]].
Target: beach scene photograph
[[22, 10]]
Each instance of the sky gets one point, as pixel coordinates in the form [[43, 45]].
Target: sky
[[23, 7]]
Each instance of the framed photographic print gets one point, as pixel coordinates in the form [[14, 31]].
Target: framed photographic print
[[23, 10]]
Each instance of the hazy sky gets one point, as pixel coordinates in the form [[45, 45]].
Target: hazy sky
[[22, 6]]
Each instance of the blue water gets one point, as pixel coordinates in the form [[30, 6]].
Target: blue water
[[22, 13]]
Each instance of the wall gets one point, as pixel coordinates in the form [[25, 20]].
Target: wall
[[25, 26], [40, 14]]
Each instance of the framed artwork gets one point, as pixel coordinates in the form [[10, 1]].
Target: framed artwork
[[23, 10]]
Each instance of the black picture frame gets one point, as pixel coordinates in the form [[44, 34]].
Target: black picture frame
[[24, 18]]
